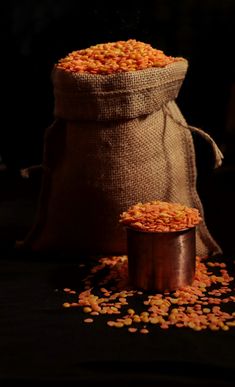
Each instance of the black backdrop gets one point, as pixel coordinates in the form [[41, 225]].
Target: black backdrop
[[39, 341], [35, 34]]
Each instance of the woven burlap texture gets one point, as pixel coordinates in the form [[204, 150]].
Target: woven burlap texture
[[116, 140]]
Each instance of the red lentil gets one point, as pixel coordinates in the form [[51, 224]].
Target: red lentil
[[87, 309], [66, 305], [160, 216], [67, 290], [144, 330], [88, 320], [132, 330], [115, 57]]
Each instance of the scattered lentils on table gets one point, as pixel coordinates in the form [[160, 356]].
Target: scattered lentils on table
[[198, 307]]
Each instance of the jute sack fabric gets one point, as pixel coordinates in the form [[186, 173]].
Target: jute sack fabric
[[116, 140]]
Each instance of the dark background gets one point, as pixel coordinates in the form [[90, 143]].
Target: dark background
[[40, 343], [35, 34]]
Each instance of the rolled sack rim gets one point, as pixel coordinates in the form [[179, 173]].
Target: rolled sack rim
[[151, 78], [116, 96]]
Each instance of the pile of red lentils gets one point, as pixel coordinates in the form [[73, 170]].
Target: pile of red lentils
[[160, 216], [115, 57], [207, 304]]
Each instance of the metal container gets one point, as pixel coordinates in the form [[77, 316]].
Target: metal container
[[161, 260]]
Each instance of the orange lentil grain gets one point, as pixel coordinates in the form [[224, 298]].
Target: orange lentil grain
[[132, 330], [88, 320], [111, 323], [87, 309], [95, 313], [118, 324], [66, 305], [144, 330], [127, 321]]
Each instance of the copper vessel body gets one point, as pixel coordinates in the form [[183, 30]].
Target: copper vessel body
[[161, 260]]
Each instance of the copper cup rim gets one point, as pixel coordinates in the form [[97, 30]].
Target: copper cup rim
[[161, 232]]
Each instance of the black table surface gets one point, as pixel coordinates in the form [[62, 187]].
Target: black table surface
[[43, 343]]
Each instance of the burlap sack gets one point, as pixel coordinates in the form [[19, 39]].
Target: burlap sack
[[116, 140]]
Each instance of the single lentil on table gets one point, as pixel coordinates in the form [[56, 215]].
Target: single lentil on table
[[115, 57], [199, 306]]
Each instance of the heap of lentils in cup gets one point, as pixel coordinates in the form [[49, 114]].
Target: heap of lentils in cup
[[160, 216], [115, 57]]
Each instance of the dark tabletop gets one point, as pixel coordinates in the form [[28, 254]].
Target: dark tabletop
[[43, 343]]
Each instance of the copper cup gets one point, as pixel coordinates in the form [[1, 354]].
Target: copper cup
[[161, 260]]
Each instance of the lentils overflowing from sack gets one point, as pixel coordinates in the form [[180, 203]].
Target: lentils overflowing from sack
[[160, 216], [115, 57], [207, 304]]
